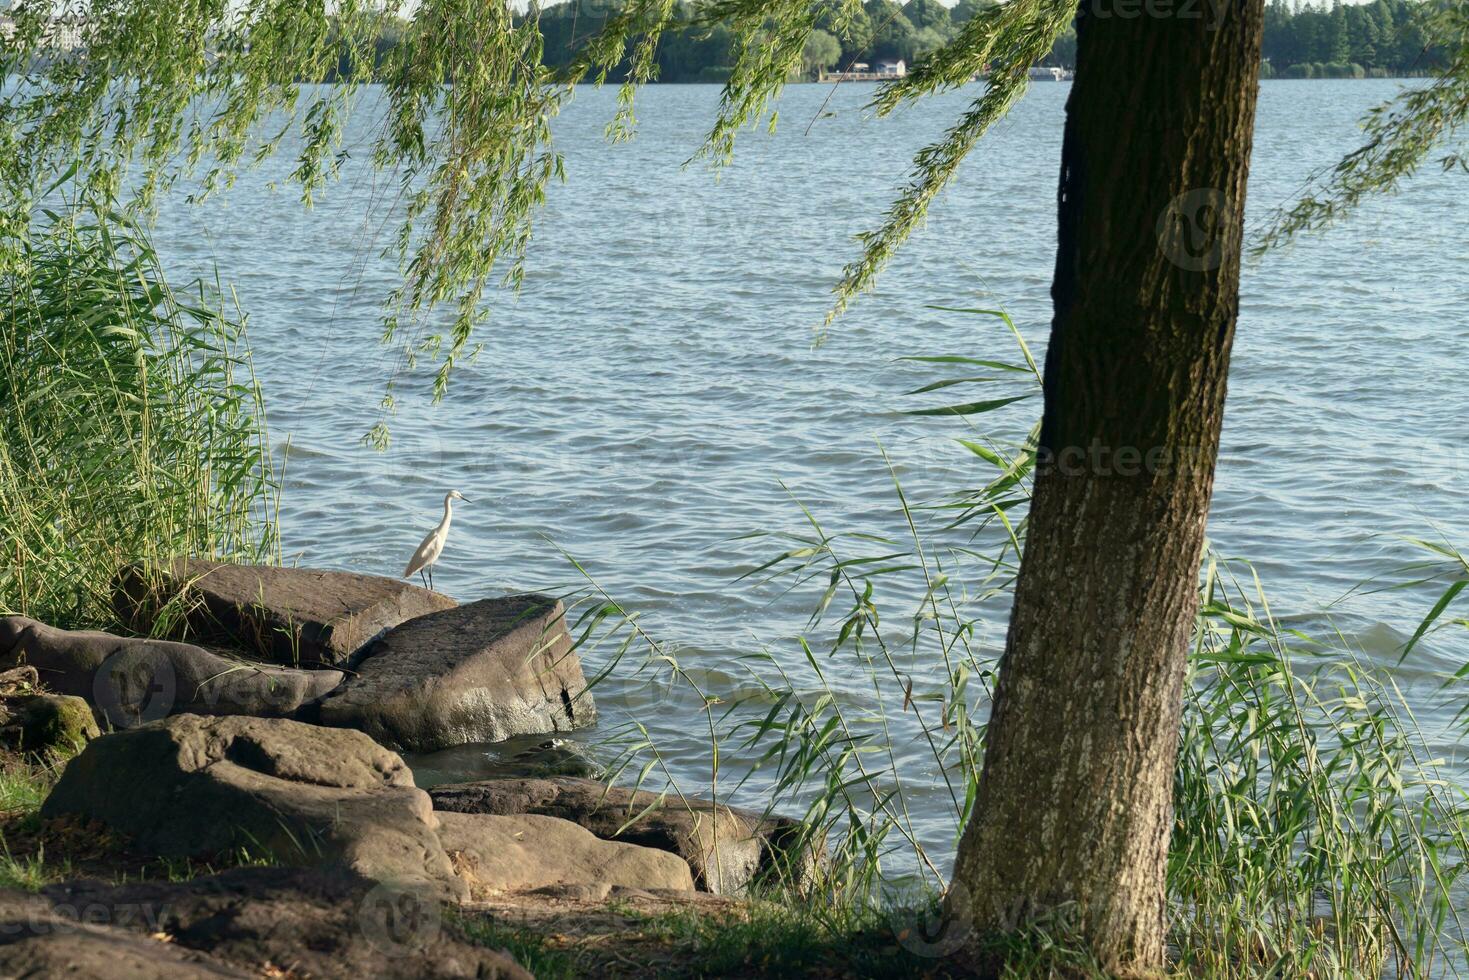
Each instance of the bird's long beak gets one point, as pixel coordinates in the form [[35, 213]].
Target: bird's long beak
[[465, 499]]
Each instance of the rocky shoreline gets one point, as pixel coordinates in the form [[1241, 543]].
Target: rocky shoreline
[[263, 733]]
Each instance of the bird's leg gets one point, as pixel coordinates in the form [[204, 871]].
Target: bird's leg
[[422, 579], [431, 578]]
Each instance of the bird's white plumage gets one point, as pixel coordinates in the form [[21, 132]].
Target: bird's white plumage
[[429, 551], [433, 546]]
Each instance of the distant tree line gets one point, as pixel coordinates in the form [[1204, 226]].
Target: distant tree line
[[1302, 40], [1376, 39], [704, 52], [883, 31]]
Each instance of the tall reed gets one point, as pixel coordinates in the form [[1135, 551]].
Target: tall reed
[[131, 426], [1315, 834]]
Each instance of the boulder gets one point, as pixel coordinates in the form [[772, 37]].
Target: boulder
[[726, 848], [291, 616], [43, 724], [287, 922], [525, 852], [482, 672], [295, 794], [130, 680]]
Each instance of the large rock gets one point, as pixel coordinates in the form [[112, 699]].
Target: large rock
[[283, 922], [291, 616], [726, 848], [288, 792], [130, 680], [478, 673], [524, 852]]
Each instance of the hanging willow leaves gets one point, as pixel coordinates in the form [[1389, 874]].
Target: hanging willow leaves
[[130, 96], [127, 97], [1009, 39]]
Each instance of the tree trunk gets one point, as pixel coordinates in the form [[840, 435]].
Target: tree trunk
[[1074, 811]]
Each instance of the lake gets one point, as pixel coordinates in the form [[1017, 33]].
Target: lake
[[655, 383]]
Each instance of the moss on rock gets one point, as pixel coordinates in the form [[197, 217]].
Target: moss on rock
[[43, 724]]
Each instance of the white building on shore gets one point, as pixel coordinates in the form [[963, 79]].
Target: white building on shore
[[861, 71]]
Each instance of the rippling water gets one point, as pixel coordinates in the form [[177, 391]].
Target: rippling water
[[641, 402]]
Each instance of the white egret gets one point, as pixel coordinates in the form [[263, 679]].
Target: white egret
[[433, 545]]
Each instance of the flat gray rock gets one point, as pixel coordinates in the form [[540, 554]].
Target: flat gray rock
[[481, 672], [526, 852], [291, 793], [130, 681], [290, 616], [725, 847]]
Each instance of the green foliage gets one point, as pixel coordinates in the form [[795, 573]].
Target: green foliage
[[1315, 832], [24, 786], [212, 88], [151, 95], [1384, 34], [130, 424], [529, 948], [1005, 41], [687, 47], [29, 872], [822, 51], [478, 190], [788, 939]]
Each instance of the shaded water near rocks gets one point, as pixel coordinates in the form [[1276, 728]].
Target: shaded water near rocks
[[523, 755], [655, 381]]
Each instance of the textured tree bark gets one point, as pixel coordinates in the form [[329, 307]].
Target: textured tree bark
[[1074, 808]]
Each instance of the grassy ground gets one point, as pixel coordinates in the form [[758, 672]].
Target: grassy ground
[[638, 936]]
